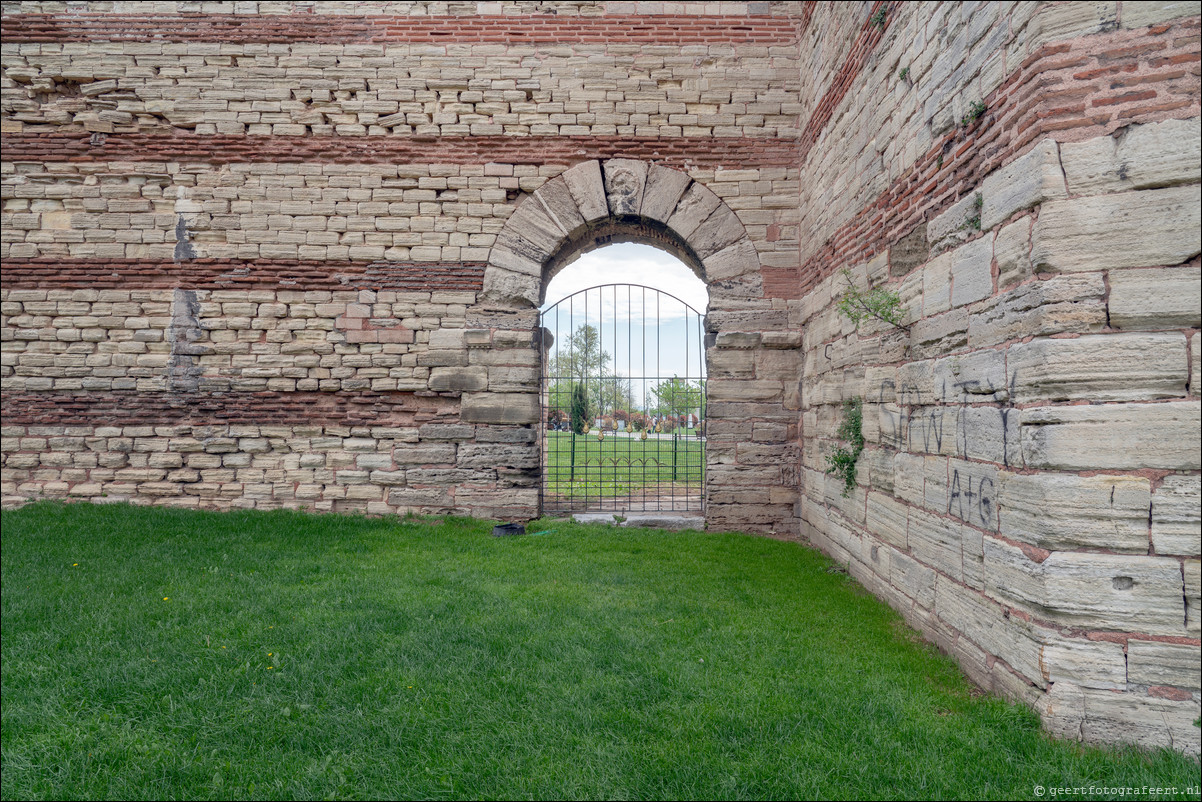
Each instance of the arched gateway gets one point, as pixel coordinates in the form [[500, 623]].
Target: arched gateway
[[754, 365]]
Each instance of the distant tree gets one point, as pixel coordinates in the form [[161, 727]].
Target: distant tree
[[677, 396], [581, 414]]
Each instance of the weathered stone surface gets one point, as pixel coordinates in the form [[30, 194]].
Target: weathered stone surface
[[624, 182], [937, 335], [972, 490], [1155, 663], [735, 260], [720, 230], [955, 225], [969, 378], [936, 541], [1066, 511], [479, 456], [1192, 570], [1177, 516], [697, 204], [1156, 299], [1129, 367], [887, 519], [912, 578], [1148, 721], [588, 190], [663, 190], [1090, 664], [1129, 229], [731, 390], [972, 271], [1124, 436], [1136, 157], [424, 454], [1093, 591], [1028, 181], [502, 285], [983, 621], [909, 252], [937, 285], [530, 233], [990, 433], [560, 205], [1059, 305], [500, 408], [460, 379], [1012, 252], [1141, 15]]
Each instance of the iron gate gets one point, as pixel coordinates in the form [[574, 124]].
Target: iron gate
[[623, 401]]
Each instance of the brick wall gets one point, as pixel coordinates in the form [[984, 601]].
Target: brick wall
[[1029, 492]]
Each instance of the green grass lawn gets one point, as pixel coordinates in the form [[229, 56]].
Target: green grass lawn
[[155, 653], [620, 464]]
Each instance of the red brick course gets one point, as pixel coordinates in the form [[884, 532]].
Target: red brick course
[[679, 152], [1069, 91], [132, 408], [56, 273]]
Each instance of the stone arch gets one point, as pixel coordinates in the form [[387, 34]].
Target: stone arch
[[595, 203]]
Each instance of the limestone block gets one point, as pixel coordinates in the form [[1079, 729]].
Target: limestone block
[[1026, 182], [1168, 298], [1059, 305], [1054, 23], [588, 190], [721, 229], [1146, 228], [719, 390], [937, 285], [446, 339], [1155, 663], [1066, 511], [972, 490], [940, 334], [531, 233], [1092, 591], [459, 379], [1141, 15], [936, 541], [424, 453], [990, 433], [733, 261], [664, 188], [985, 623], [1127, 367], [1192, 570], [1136, 157], [695, 206], [502, 284], [1148, 721], [887, 519], [497, 455], [969, 378], [1090, 664], [1012, 252], [954, 225], [624, 182], [909, 252], [1177, 516], [559, 204], [972, 271], [1115, 436], [500, 408], [912, 578]]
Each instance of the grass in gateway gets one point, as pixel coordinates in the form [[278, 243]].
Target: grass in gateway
[[621, 463], [157, 653]]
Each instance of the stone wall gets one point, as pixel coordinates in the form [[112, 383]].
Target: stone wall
[[289, 255], [1029, 492], [221, 217]]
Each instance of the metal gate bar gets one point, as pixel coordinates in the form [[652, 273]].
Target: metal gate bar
[[623, 437]]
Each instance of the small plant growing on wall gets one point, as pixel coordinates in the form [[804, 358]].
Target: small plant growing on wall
[[842, 460], [975, 111], [878, 19], [880, 304]]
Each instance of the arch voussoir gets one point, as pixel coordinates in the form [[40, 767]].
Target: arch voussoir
[[624, 183]]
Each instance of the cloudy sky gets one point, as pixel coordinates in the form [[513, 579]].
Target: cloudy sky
[[649, 337]]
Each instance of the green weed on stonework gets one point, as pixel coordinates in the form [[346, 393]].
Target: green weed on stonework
[[842, 460], [880, 304]]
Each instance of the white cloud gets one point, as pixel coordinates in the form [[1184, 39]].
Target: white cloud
[[629, 263]]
